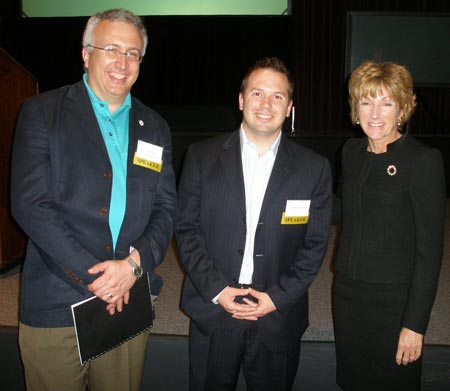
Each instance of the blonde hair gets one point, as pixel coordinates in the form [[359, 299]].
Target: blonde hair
[[370, 77]]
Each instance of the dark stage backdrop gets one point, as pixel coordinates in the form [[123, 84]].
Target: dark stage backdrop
[[320, 30], [194, 64]]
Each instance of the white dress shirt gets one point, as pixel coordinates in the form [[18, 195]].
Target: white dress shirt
[[256, 170]]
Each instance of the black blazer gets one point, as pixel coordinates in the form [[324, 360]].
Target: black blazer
[[211, 232], [60, 196], [392, 208]]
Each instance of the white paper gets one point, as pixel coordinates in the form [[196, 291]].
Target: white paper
[[297, 208]]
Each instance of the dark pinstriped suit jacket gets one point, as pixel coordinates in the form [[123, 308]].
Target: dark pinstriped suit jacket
[[211, 232]]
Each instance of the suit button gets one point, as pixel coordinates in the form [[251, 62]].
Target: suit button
[[107, 175], [103, 211], [108, 249], [240, 251]]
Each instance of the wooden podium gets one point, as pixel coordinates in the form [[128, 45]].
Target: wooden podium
[[16, 84]]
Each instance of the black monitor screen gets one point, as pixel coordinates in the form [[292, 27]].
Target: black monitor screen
[[420, 41]]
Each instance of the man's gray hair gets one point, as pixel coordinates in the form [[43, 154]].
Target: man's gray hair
[[118, 15]]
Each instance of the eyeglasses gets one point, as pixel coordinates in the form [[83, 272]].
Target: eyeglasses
[[113, 52]]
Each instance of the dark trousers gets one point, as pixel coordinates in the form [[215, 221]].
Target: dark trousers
[[216, 359]]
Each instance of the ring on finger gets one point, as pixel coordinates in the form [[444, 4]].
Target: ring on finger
[[109, 294]]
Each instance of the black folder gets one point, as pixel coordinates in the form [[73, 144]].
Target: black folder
[[98, 332]]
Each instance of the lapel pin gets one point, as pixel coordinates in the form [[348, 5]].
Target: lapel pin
[[141, 122]]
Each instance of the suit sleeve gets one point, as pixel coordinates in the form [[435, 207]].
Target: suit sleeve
[[427, 193], [295, 282], [33, 204], [205, 276]]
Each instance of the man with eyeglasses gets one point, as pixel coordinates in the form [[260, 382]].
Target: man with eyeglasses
[[96, 217]]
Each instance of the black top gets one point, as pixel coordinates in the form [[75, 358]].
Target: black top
[[392, 209]]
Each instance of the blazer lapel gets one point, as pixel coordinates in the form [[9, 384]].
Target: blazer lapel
[[132, 136], [282, 168], [231, 163], [83, 113]]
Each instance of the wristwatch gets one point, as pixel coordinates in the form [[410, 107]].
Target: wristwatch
[[136, 270]]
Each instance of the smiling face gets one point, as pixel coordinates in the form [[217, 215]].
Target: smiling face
[[112, 78], [378, 118], [265, 104]]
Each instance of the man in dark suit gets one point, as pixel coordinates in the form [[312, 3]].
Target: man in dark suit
[[94, 189], [252, 232]]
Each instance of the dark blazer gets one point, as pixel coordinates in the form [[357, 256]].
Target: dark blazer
[[211, 233], [60, 196], [392, 209]]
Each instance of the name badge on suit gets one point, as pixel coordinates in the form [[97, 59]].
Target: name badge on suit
[[149, 156], [296, 212]]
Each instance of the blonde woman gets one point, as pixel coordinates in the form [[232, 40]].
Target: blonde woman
[[391, 208]]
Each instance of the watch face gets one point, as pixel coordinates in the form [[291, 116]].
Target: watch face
[[137, 271]]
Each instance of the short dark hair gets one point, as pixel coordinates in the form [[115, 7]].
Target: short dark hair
[[271, 63]]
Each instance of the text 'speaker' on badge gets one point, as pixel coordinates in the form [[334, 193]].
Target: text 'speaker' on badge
[[297, 212], [148, 156]]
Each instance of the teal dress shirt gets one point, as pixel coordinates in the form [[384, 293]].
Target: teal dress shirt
[[114, 128]]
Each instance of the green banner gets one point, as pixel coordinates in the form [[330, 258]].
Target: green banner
[[60, 8]]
